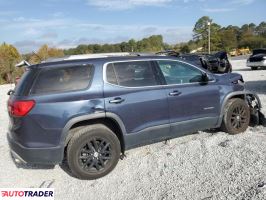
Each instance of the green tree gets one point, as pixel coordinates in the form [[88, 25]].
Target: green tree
[[253, 42], [228, 39], [9, 56], [44, 53], [201, 33], [261, 29], [153, 43], [185, 49], [132, 45]]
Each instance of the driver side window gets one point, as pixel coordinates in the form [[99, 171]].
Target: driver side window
[[179, 73]]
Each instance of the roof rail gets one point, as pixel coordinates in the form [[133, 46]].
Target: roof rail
[[96, 55], [141, 54], [88, 56]]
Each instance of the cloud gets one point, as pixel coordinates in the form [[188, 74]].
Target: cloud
[[71, 43], [67, 32], [7, 13], [217, 10], [149, 30], [242, 2], [49, 35], [31, 32], [228, 6], [126, 4], [19, 19], [26, 46], [58, 14], [105, 34]]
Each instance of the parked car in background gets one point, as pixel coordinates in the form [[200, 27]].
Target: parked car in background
[[257, 59], [215, 63], [90, 109], [218, 62]]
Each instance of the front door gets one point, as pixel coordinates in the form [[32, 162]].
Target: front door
[[193, 105]]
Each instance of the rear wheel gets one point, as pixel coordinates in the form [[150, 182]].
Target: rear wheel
[[254, 68], [236, 116], [93, 152]]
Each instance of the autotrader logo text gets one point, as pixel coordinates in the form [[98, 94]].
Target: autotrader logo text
[[27, 193]]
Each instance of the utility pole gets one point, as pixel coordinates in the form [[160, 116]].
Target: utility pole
[[209, 36]]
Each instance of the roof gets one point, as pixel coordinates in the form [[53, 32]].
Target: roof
[[81, 59]]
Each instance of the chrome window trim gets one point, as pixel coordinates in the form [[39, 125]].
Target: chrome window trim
[[153, 86]]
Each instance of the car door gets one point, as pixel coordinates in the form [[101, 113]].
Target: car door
[[133, 93], [193, 104]]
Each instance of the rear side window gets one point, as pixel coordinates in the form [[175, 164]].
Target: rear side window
[[62, 79], [131, 74], [24, 83]]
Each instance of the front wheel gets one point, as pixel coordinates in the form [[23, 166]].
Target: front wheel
[[93, 152], [236, 116]]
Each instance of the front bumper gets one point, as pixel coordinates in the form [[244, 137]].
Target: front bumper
[[257, 64], [51, 155]]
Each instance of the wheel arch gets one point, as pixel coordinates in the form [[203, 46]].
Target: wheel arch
[[110, 120], [238, 94]]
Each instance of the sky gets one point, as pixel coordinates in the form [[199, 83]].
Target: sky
[[28, 24]]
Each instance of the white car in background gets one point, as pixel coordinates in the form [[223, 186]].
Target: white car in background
[[257, 59]]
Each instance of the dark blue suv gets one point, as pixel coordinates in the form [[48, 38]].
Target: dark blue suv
[[88, 110]]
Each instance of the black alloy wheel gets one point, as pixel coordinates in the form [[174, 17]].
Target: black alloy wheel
[[236, 116], [239, 117], [93, 151], [95, 154]]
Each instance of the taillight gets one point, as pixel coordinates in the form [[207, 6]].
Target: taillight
[[20, 108], [17, 80]]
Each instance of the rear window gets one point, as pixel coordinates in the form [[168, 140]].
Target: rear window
[[131, 74], [62, 79], [259, 51], [25, 82]]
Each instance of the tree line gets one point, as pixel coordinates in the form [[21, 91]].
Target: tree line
[[153, 43], [222, 38], [227, 38]]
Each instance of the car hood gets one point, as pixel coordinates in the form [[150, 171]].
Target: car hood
[[229, 77]]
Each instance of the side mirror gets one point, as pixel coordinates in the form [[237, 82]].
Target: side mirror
[[204, 78], [10, 92]]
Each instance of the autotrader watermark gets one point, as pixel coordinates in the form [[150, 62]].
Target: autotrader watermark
[[27, 193]]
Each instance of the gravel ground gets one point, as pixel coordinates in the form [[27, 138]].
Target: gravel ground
[[205, 165]]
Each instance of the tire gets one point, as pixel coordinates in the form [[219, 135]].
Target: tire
[[236, 116], [254, 68], [93, 152]]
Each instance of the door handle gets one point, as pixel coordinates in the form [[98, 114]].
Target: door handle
[[117, 100], [175, 93]]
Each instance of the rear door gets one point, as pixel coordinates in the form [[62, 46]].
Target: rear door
[[193, 105], [133, 92]]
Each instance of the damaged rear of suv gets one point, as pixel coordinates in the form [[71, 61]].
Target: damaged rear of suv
[[90, 109]]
